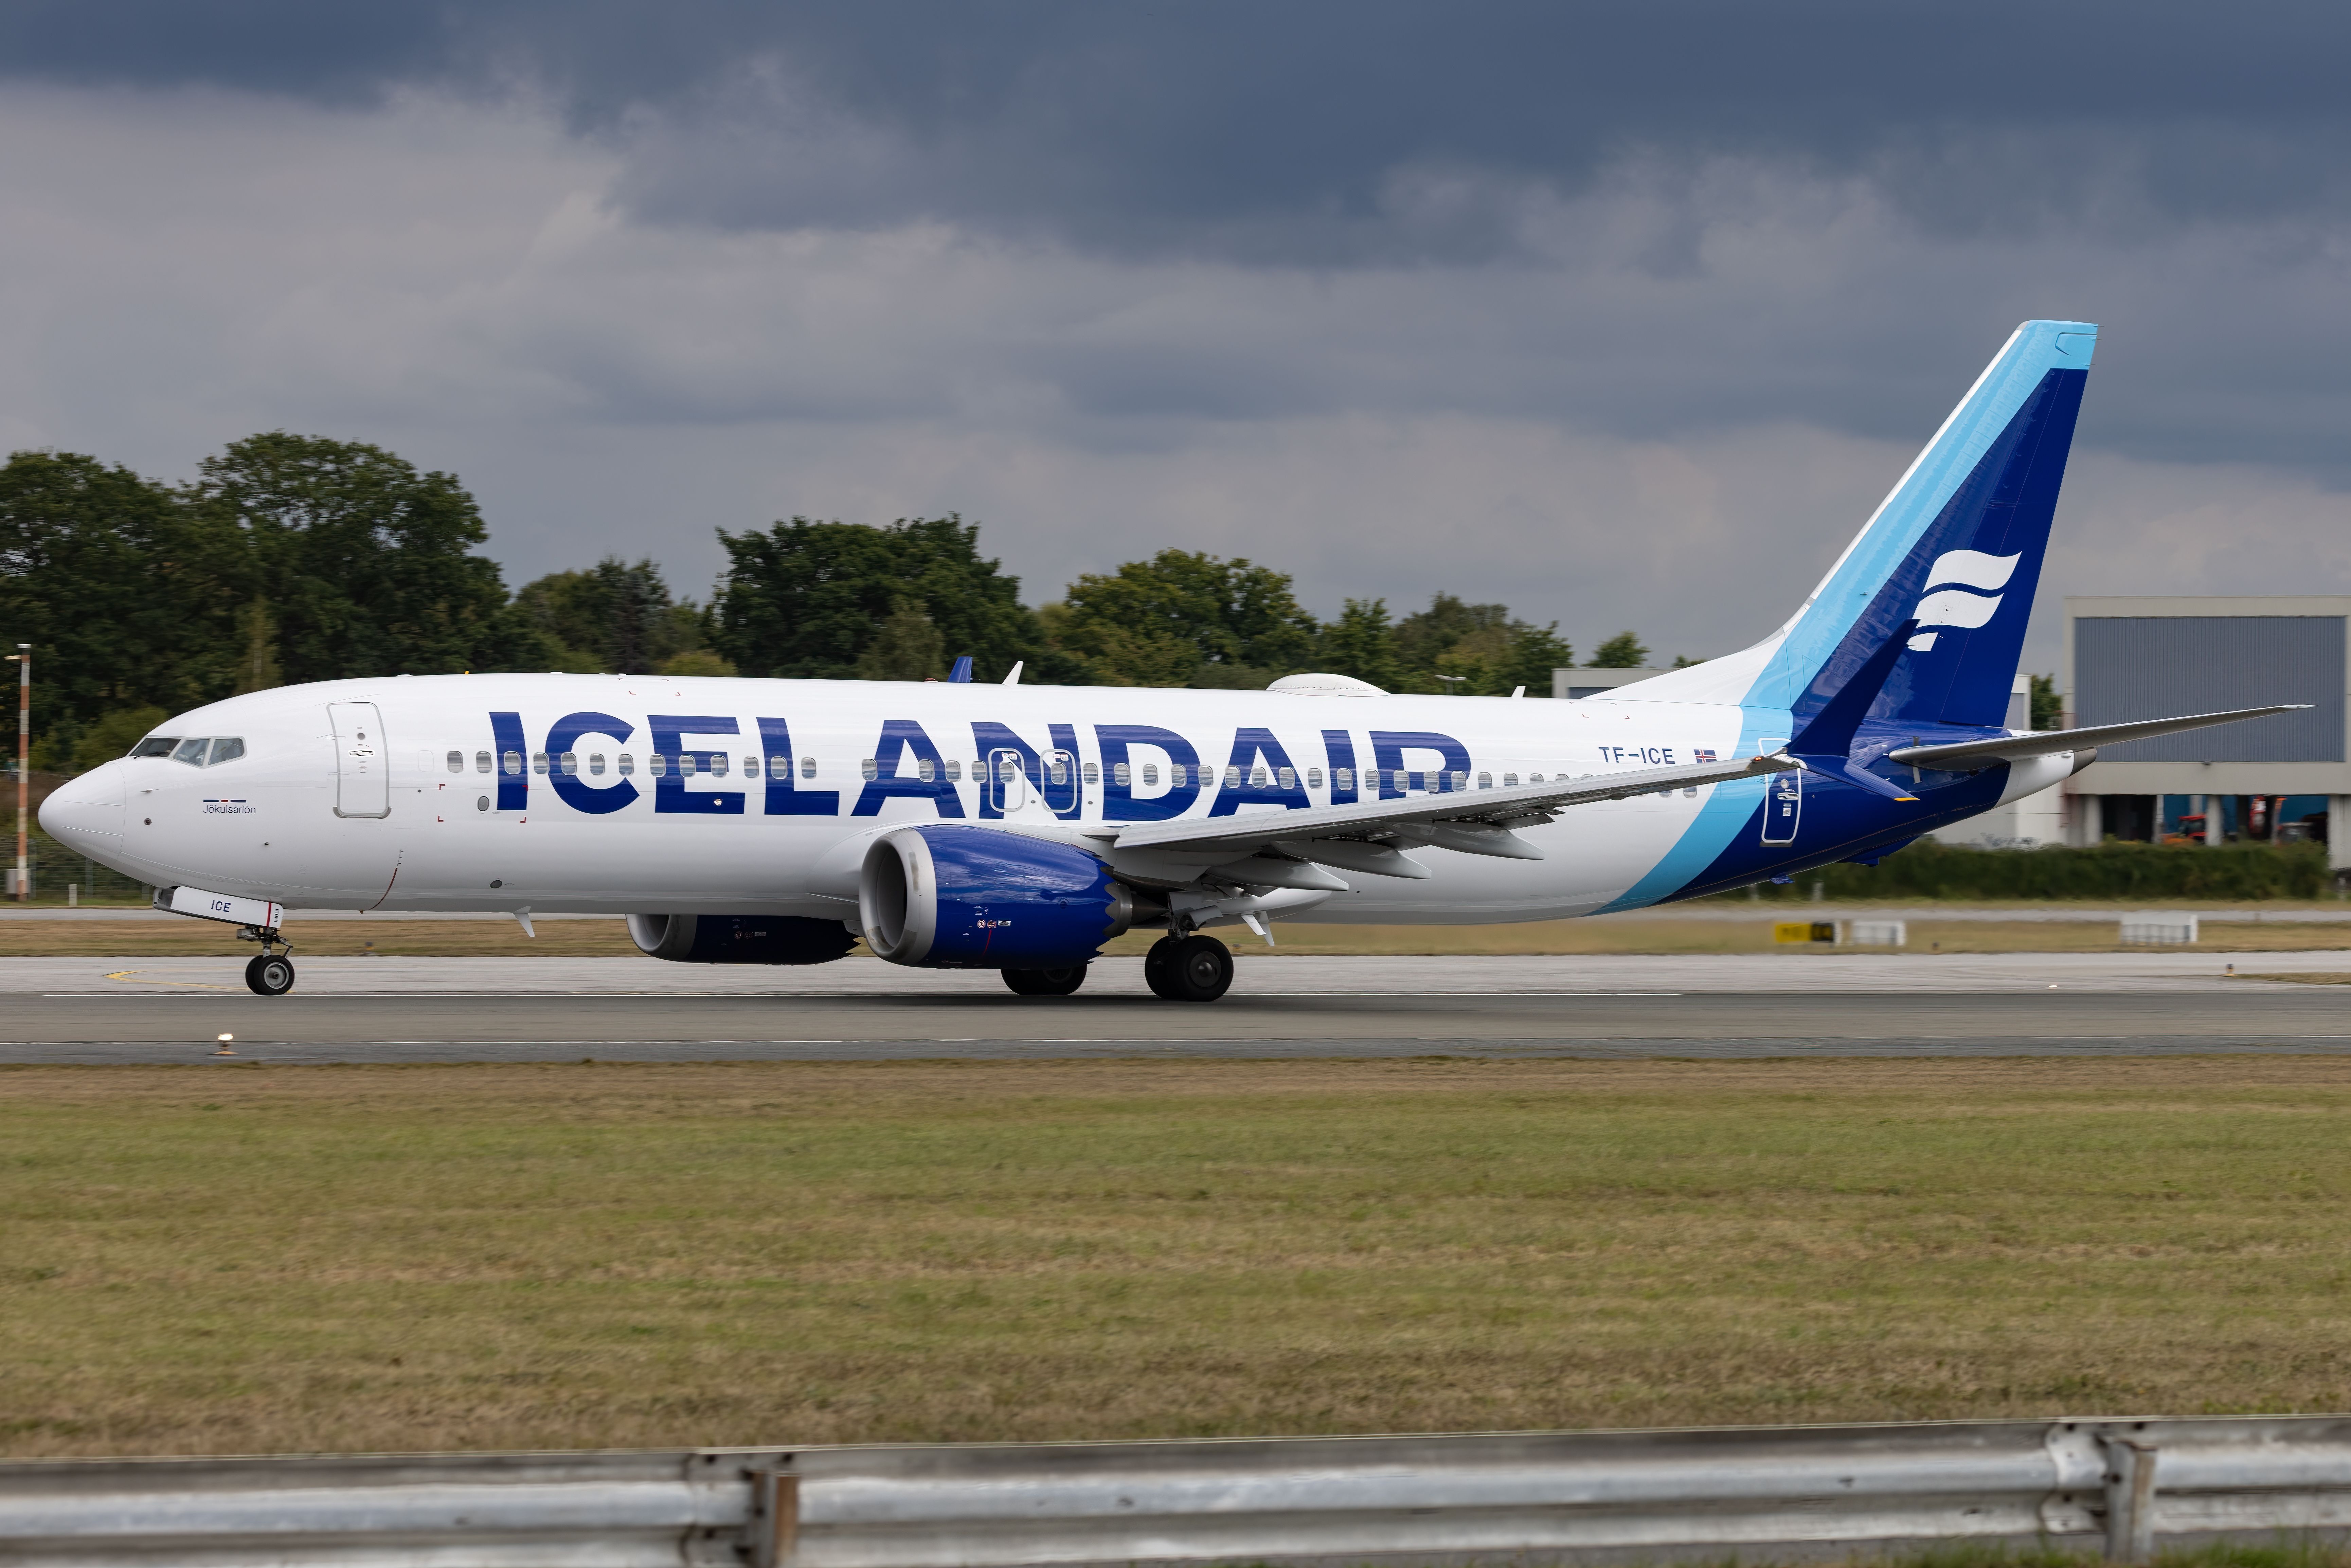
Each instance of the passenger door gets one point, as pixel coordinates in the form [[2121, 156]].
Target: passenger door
[[362, 761]]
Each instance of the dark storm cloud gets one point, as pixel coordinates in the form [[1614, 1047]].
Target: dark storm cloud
[[1312, 132]]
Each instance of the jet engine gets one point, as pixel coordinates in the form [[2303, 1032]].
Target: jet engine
[[740, 938], [949, 897]]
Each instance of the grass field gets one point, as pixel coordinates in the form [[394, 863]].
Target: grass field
[[249, 1257], [578, 939]]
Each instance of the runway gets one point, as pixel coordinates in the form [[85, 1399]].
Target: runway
[[129, 1010]]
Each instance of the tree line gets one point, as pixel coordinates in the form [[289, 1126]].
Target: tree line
[[294, 558]]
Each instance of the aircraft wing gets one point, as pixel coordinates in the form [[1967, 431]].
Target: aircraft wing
[[2047, 743], [1476, 821]]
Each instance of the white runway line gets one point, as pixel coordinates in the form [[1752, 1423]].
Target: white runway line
[[1802, 974]]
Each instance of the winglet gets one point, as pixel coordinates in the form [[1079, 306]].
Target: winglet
[[1014, 678]]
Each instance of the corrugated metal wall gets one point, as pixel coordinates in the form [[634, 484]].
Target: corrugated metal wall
[[2152, 666]]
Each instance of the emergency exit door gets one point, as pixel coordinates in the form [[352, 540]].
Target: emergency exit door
[[362, 761]]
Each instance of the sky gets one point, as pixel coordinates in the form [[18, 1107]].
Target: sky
[[1623, 316]]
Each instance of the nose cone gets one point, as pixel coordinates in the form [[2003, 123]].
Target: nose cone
[[85, 814]]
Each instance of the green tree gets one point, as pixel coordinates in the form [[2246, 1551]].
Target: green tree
[[2048, 708], [611, 617], [906, 647], [807, 598], [1482, 649], [1186, 618], [1474, 634], [365, 565], [1362, 643], [1530, 655], [127, 593], [1622, 652]]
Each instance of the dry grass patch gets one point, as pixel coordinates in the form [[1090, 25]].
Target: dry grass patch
[[262, 1258]]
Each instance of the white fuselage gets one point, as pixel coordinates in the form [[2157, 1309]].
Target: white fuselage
[[421, 811]]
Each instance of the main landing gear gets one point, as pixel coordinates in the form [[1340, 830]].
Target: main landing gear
[[269, 973], [1188, 969], [1045, 982]]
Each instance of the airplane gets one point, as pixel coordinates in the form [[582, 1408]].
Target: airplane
[[1020, 828]]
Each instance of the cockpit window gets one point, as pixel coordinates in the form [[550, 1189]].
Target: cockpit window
[[199, 751]]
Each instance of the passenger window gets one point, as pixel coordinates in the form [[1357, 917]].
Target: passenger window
[[1094, 774], [1314, 779], [687, 762], [1290, 779], [1534, 778], [1461, 781], [750, 767], [1343, 777], [1150, 773], [155, 746], [456, 762], [924, 769], [481, 762], [570, 764], [539, 762], [1232, 777], [808, 767], [1510, 780], [1256, 777], [955, 771], [1121, 775], [227, 750], [628, 765], [514, 762], [869, 768], [190, 752], [779, 767], [656, 765], [596, 762], [1485, 781], [1058, 773]]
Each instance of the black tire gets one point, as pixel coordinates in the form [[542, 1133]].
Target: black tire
[[1045, 982], [1159, 968], [270, 977], [1200, 970]]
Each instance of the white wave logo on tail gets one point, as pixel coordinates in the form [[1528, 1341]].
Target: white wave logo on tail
[[1947, 603]]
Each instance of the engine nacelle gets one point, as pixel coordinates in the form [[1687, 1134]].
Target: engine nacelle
[[740, 938], [949, 897]]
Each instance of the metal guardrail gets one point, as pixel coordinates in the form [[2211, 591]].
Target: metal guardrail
[[1757, 1492]]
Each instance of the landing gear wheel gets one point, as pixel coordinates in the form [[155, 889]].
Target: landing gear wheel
[[1045, 982], [270, 977], [1159, 968], [1200, 970]]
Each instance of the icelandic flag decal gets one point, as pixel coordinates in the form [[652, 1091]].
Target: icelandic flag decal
[[1703, 755]]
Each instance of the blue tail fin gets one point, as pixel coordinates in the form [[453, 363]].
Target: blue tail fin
[[1956, 546]]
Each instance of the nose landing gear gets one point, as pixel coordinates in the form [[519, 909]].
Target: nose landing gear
[[269, 973]]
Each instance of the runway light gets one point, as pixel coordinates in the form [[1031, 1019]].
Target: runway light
[[224, 1048]]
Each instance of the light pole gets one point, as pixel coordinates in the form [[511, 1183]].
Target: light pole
[[1451, 682], [23, 658]]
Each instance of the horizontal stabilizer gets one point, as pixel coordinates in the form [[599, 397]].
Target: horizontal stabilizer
[[2048, 743]]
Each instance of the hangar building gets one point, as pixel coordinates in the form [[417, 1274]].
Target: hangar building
[[2267, 780]]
